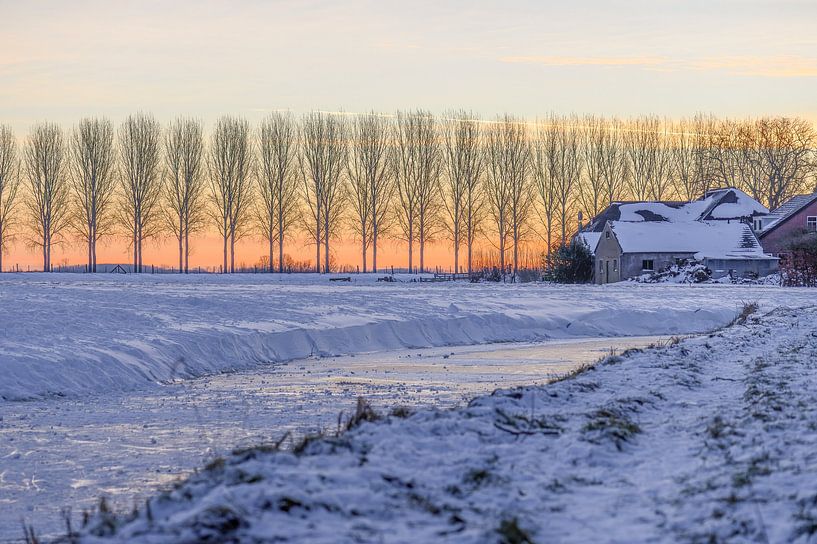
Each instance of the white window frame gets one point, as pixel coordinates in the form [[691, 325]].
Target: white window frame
[[811, 222]]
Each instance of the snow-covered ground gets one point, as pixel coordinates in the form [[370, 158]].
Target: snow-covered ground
[[75, 334], [711, 439], [107, 365]]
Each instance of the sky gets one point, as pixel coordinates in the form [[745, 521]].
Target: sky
[[61, 61]]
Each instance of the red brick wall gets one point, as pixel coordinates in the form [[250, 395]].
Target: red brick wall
[[774, 242]]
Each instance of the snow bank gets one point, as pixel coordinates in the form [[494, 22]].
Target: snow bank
[[65, 334], [706, 440]]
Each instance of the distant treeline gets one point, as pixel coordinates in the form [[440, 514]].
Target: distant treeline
[[411, 176]]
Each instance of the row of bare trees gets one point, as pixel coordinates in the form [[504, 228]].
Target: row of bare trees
[[410, 176]]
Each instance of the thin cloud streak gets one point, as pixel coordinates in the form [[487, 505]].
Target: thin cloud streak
[[584, 61]]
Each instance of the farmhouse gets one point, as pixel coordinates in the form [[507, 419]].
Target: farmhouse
[[633, 238], [795, 216]]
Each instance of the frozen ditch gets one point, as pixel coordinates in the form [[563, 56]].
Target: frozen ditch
[[60, 452], [69, 335]]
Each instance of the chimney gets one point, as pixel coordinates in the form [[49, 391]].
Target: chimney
[[580, 221]]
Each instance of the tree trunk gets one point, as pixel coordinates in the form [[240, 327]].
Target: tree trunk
[[456, 249], [411, 247], [140, 248], [422, 243], [326, 243], [364, 249], [515, 252], [422, 253], [271, 266], [470, 255], [502, 257], [186, 248], [181, 243], [280, 239], [374, 247], [224, 269], [564, 218], [374, 232], [550, 240], [181, 251], [232, 251], [318, 246], [281, 253]]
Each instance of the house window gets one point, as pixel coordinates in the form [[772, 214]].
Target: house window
[[615, 265], [811, 222], [647, 265], [758, 224], [607, 234]]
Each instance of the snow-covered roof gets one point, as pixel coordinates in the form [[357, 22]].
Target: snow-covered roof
[[787, 209], [719, 204], [591, 239], [730, 203], [704, 239]]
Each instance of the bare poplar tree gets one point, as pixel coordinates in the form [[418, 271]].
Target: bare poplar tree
[[703, 136], [544, 149], [48, 190], [474, 198], [661, 163], [429, 165], [9, 185], [322, 164], [463, 157], [593, 142], [231, 164], [140, 166], [416, 170], [508, 158], [93, 177], [567, 167], [614, 167], [370, 180], [682, 147], [185, 185], [646, 144], [638, 140], [277, 206]]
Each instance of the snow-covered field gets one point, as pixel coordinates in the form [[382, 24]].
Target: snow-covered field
[[712, 439], [107, 366], [69, 335]]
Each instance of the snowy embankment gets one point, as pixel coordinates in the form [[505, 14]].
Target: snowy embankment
[[710, 439], [74, 334]]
